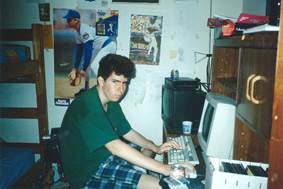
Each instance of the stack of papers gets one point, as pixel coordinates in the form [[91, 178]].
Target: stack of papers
[[222, 17], [261, 28]]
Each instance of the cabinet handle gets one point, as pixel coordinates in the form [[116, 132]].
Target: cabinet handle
[[253, 81], [248, 96]]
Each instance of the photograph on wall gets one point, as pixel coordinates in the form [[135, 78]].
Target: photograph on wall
[[78, 49], [107, 23], [145, 39]]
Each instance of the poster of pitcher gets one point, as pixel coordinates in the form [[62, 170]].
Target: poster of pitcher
[[145, 41], [81, 38]]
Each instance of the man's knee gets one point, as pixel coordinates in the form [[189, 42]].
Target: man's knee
[[147, 181]]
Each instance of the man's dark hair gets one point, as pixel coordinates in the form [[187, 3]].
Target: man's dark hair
[[118, 64]]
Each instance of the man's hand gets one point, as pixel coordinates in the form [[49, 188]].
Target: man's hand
[[190, 171], [165, 147], [183, 169], [83, 73], [72, 74], [74, 78]]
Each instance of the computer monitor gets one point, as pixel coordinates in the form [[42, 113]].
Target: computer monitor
[[216, 130]]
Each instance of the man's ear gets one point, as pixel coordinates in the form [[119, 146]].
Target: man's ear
[[100, 81]]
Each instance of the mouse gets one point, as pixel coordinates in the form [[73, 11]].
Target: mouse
[[193, 175]]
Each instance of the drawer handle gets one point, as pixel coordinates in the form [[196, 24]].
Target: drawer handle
[[253, 81], [248, 96]]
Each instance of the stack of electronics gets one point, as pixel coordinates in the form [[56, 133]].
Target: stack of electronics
[[182, 99], [234, 174], [172, 183], [215, 134]]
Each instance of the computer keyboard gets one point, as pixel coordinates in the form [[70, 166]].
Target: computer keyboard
[[187, 153]]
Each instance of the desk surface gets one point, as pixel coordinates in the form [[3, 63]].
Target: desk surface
[[200, 168]]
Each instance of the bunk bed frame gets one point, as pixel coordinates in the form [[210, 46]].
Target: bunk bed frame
[[28, 72]]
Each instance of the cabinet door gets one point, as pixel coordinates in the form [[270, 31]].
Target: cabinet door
[[224, 70], [249, 146], [255, 88]]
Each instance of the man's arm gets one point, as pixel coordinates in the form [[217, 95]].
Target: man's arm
[[136, 138], [124, 151], [88, 48], [78, 55]]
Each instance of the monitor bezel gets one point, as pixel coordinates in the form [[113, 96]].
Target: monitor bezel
[[220, 139]]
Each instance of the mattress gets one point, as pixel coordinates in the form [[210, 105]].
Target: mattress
[[13, 53], [14, 163]]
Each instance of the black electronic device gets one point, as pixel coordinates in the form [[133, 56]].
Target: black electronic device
[[182, 99], [172, 183], [184, 82], [273, 11]]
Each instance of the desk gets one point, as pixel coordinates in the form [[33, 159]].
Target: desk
[[200, 168]]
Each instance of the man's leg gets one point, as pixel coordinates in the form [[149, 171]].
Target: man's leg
[[115, 173], [147, 182]]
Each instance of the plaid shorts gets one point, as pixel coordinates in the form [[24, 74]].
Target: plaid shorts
[[114, 173]]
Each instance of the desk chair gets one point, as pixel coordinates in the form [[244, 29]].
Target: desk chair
[[53, 157]]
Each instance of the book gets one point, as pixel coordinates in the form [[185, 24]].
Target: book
[[227, 167], [256, 171], [222, 17], [237, 168], [261, 28]]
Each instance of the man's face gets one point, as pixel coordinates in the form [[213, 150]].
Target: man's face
[[114, 87], [72, 23]]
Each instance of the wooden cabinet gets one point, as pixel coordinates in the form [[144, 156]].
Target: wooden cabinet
[[225, 70], [255, 88], [243, 68], [275, 178], [248, 145], [256, 52]]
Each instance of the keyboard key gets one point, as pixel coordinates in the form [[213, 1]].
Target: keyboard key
[[187, 152]]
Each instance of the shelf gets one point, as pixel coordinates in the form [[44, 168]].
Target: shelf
[[254, 40], [230, 83]]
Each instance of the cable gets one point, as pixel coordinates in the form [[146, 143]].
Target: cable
[[208, 71], [208, 65], [210, 15], [207, 85]]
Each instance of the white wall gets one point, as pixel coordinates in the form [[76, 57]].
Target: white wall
[[254, 7], [184, 32]]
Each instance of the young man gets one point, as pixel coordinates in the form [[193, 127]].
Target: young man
[[96, 139], [90, 47]]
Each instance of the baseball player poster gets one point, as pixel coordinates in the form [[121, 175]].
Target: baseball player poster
[[145, 39], [81, 38]]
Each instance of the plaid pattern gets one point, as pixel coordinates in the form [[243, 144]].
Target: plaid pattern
[[114, 173]]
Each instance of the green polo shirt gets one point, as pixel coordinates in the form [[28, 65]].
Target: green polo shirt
[[85, 130]]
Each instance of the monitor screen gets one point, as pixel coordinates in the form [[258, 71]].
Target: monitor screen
[[216, 130], [207, 121]]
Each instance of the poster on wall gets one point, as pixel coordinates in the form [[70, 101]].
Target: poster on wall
[[145, 39], [107, 23], [78, 48]]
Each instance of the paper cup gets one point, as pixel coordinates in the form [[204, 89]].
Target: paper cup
[[187, 127]]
